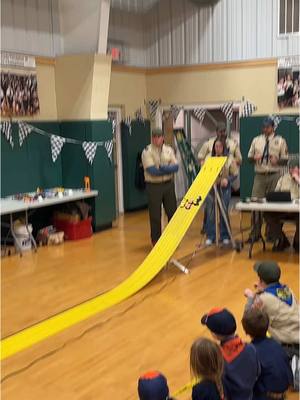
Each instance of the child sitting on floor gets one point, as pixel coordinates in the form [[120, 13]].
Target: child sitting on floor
[[207, 364], [241, 366], [276, 375]]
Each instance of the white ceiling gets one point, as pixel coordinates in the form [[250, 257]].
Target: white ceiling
[[137, 6]]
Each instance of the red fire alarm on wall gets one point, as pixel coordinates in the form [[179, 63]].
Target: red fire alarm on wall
[[115, 54]]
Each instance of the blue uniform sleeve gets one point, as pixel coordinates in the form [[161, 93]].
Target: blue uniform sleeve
[[169, 169], [155, 171]]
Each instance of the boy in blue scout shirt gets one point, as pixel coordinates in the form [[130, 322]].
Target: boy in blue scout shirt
[[276, 375], [241, 365]]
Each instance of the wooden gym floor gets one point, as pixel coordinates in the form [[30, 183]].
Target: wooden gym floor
[[101, 358]]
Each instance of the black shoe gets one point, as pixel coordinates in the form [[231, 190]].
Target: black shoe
[[281, 244]]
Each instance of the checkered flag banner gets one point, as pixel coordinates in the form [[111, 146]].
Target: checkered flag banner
[[199, 114], [109, 148], [90, 149], [247, 108], [6, 130], [24, 130], [227, 109], [276, 119], [139, 115], [175, 110], [127, 122], [57, 143], [152, 106]]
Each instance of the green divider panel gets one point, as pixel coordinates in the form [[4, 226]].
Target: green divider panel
[[251, 127], [75, 167], [132, 144], [25, 168]]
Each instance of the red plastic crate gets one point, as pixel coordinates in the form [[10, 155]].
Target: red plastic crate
[[75, 231]]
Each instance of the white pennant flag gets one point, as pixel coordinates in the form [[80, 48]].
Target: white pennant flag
[[175, 110], [90, 149], [127, 122], [24, 130], [276, 119], [298, 122], [139, 115], [57, 143], [227, 109], [109, 148], [6, 130], [199, 114]]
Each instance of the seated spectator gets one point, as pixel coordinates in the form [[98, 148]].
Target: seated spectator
[[289, 182], [207, 365], [228, 174], [241, 366], [276, 376], [279, 303], [153, 386]]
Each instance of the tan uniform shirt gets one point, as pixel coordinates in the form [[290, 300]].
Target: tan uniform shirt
[[287, 184], [230, 169], [231, 144], [277, 148], [284, 319], [154, 156]]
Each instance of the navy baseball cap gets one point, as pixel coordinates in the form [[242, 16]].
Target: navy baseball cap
[[220, 321], [153, 386], [157, 132], [268, 271], [268, 122]]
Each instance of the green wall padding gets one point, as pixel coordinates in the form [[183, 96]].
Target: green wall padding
[[251, 127], [25, 168], [131, 146]]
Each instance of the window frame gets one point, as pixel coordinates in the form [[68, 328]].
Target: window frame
[[286, 35]]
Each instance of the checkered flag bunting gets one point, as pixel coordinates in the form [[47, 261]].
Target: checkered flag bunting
[[276, 119], [109, 148], [199, 114], [152, 106], [90, 149], [175, 110], [6, 130], [139, 115], [227, 109], [247, 109], [24, 130], [127, 122], [57, 143]]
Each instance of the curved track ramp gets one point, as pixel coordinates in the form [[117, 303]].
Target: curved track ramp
[[153, 263]]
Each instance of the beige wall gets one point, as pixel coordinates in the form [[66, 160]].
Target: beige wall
[[255, 83], [82, 86], [128, 89]]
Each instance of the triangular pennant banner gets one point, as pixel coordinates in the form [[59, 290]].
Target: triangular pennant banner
[[57, 143], [276, 119], [109, 148], [152, 106], [175, 110], [247, 108], [127, 122], [139, 115], [6, 130], [199, 114], [298, 122], [24, 130], [227, 109], [113, 119], [90, 149]]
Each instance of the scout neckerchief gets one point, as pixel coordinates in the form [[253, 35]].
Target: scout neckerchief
[[232, 348], [282, 292]]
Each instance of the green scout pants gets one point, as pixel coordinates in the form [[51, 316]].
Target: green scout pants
[[158, 194]]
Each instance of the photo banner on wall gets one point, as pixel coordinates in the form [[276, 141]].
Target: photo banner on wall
[[288, 82]]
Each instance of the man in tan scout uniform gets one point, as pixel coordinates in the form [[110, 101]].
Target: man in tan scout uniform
[[289, 182], [159, 164], [268, 152], [231, 145]]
